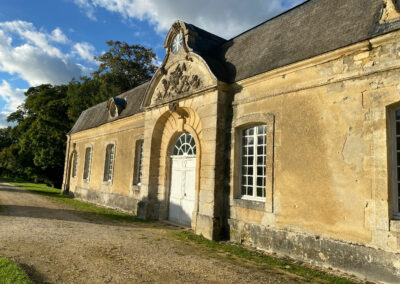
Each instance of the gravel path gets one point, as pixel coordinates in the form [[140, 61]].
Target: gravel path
[[56, 244]]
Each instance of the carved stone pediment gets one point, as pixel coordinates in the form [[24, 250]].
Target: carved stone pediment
[[180, 79], [175, 83]]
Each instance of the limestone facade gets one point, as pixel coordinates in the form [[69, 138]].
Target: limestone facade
[[330, 159]]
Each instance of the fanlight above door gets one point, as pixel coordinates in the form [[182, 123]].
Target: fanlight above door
[[184, 145]]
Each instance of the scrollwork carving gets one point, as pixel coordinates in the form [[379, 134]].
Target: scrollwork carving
[[176, 83]]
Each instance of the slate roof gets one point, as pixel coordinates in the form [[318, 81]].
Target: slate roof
[[98, 114], [310, 29]]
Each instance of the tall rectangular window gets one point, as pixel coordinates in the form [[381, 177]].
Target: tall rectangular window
[[109, 162], [396, 150], [253, 162], [137, 179], [88, 161], [74, 164]]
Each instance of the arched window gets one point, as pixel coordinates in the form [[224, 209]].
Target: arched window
[[395, 116], [137, 170], [253, 162], [74, 164], [185, 145], [88, 162], [109, 162]]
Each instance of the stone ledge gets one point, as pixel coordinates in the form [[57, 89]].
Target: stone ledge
[[395, 226], [249, 204]]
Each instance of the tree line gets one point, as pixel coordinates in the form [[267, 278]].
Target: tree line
[[34, 147]]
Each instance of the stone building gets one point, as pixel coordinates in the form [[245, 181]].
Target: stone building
[[286, 137]]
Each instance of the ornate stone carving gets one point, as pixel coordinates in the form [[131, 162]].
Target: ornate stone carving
[[176, 83]]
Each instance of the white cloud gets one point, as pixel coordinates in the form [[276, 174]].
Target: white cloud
[[87, 7], [58, 36], [12, 97], [85, 51], [36, 59], [224, 18]]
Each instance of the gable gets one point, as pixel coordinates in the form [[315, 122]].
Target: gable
[[183, 73]]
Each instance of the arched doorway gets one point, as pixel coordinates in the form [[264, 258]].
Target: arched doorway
[[183, 180]]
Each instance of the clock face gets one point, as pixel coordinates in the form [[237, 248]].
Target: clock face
[[177, 43]]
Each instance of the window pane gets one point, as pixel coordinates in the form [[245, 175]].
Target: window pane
[[398, 114], [259, 192], [398, 128], [244, 192], [250, 151], [250, 170], [262, 129]]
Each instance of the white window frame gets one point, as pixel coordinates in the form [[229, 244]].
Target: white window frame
[[89, 164], [109, 164], [255, 164], [395, 162], [74, 164], [138, 162]]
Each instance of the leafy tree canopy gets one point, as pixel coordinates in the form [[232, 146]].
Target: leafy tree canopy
[[35, 147]]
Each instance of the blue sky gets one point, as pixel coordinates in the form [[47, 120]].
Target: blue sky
[[52, 41]]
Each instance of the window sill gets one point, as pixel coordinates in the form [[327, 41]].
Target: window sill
[[395, 225], [250, 204]]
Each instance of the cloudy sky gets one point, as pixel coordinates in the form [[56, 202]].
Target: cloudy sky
[[53, 41]]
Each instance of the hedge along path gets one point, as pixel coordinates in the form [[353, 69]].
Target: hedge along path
[[56, 242]]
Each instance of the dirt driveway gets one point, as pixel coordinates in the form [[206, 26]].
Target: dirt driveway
[[56, 244]]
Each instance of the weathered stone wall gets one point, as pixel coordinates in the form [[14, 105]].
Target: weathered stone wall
[[331, 161], [124, 133]]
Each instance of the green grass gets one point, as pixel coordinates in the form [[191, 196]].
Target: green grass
[[55, 194], [262, 261], [11, 273]]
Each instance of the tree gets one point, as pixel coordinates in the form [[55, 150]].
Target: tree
[[42, 125], [125, 66], [35, 148]]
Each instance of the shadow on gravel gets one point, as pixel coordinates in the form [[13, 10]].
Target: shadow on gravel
[[12, 189], [65, 215], [33, 274]]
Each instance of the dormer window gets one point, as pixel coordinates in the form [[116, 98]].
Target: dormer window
[[115, 106], [177, 43]]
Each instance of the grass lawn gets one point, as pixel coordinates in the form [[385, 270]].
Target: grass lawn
[[55, 194], [11, 273]]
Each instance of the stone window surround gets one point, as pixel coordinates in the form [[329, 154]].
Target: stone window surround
[[109, 182], [238, 125], [87, 180]]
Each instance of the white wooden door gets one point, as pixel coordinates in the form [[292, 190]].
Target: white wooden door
[[183, 180]]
